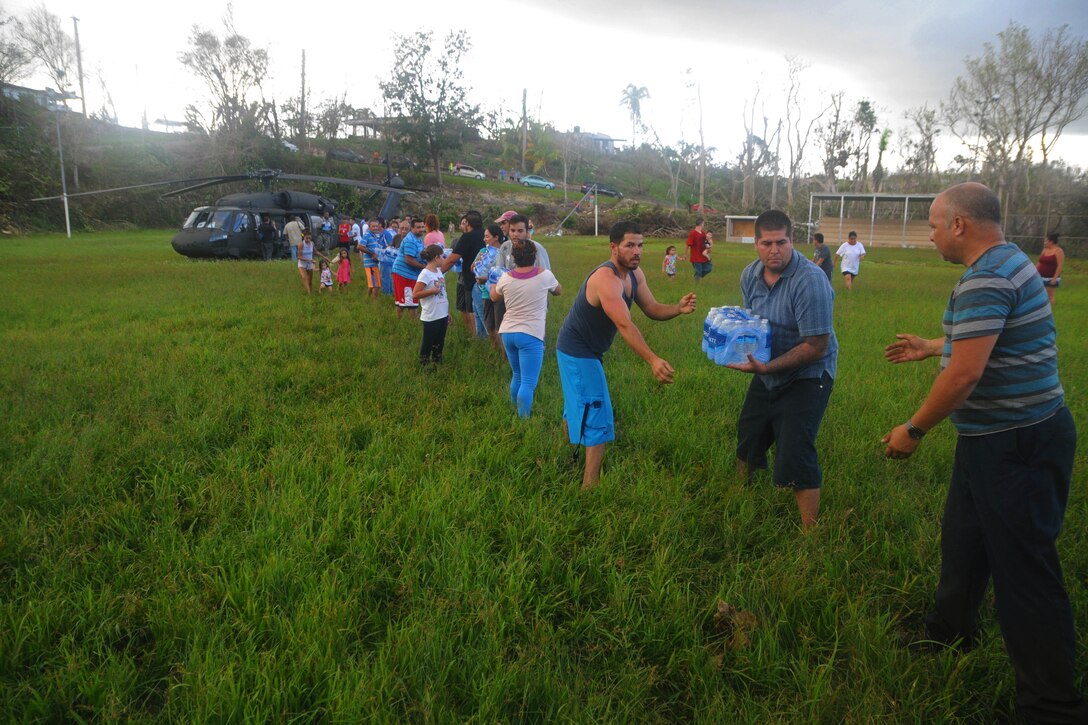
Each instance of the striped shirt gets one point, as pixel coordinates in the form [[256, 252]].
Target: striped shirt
[[1002, 294], [799, 305]]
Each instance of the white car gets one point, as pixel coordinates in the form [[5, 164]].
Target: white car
[[289, 146], [470, 172]]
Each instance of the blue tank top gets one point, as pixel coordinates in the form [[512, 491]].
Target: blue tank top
[[307, 252], [588, 331]]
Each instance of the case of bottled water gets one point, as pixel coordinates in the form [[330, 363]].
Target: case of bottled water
[[730, 334]]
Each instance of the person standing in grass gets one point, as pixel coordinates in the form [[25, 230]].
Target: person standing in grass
[[851, 253], [1014, 454], [603, 307], [430, 290], [293, 230], [699, 243], [668, 265], [305, 254], [486, 313], [821, 256], [1050, 265], [370, 249], [525, 290], [788, 395], [407, 267], [464, 251], [343, 270]]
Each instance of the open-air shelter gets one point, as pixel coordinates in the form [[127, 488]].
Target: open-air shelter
[[893, 220]]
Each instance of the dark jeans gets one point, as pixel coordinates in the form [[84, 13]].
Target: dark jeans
[[1002, 517], [434, 339], [267, 250]]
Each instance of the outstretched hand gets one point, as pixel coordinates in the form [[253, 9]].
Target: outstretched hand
[[687, 304], [907, 348]]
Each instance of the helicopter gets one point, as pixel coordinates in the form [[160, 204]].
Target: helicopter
[[227, 229]]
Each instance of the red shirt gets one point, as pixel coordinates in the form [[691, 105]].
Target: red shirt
[[697, 243]]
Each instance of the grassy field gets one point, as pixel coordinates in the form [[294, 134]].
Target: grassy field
[[221, 499]]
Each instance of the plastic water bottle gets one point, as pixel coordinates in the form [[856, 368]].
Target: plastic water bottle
[[764, 353]]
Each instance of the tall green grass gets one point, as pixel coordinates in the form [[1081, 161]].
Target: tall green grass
[[221, 499]]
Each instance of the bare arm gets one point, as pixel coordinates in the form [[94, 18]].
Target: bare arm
[[949, 391], [655, 310], [450, 261], [911, 348], [1060, 254], [608, 290]]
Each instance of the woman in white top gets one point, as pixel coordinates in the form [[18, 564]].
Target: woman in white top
[[525, 290]]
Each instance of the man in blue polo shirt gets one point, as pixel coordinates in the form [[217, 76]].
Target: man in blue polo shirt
[[1014, 454], [788, 395], [408, 266]]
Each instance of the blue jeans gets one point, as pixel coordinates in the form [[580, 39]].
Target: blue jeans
[[386, 271], [478, 312], [526, 356]]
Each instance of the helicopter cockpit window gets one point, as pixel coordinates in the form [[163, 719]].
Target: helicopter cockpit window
[[218, 220], [241, 222], [197, 219]]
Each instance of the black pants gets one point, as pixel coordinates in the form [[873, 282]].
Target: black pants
[[267, 248], [434, 339], [1003, 515]]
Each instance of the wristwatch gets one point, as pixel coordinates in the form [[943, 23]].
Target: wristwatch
[[914, 431]]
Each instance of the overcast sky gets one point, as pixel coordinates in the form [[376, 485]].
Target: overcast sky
[[574, 58]]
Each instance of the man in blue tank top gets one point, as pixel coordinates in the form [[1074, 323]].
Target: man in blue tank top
[[602, 308], [1014, 454]]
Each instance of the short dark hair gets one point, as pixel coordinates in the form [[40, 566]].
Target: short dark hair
[[494, 230], [620, 230], [1053, 237], [524, 254], [518, 219], [773, 219], [851, 234], [974, 200], [474, 219], [818, 237]]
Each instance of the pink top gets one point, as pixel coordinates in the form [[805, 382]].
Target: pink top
[[526, 297], [435, 237]]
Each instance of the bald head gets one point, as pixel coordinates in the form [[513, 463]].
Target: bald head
[[973, 200]]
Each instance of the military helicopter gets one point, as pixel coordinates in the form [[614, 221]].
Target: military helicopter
[[228, 228]]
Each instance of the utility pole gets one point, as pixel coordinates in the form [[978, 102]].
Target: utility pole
[[702, 154], [302, 104], [79, 67], [524, 126]]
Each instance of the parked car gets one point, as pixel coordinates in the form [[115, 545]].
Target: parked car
[[537, 181], [601, 189], [289, 146], [345, 155], [399, 162], [469, 172]]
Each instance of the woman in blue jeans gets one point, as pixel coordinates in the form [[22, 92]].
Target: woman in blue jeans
[[525, 290]]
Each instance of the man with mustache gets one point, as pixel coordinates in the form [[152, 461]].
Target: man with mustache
[[602, 308]]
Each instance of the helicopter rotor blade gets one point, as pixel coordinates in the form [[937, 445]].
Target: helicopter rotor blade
[[345, 182], [128, 188], [210, 182]]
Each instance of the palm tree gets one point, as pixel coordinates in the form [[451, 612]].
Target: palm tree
[[632, 98]]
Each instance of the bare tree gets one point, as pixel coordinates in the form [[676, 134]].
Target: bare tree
[[45, 41], [918, 146], [15, 62], [756, 154], [1013, 92], [798, 130], [834, 138], [234, 72], [862, 141]]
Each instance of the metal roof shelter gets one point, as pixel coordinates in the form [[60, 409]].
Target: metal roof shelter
[[843, 197]]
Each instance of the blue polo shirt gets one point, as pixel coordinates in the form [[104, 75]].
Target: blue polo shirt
[[1002, 294], [799, 305], [412, 246], [375, 243]]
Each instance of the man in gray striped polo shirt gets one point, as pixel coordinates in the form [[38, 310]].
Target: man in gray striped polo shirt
[[1014, 454]]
